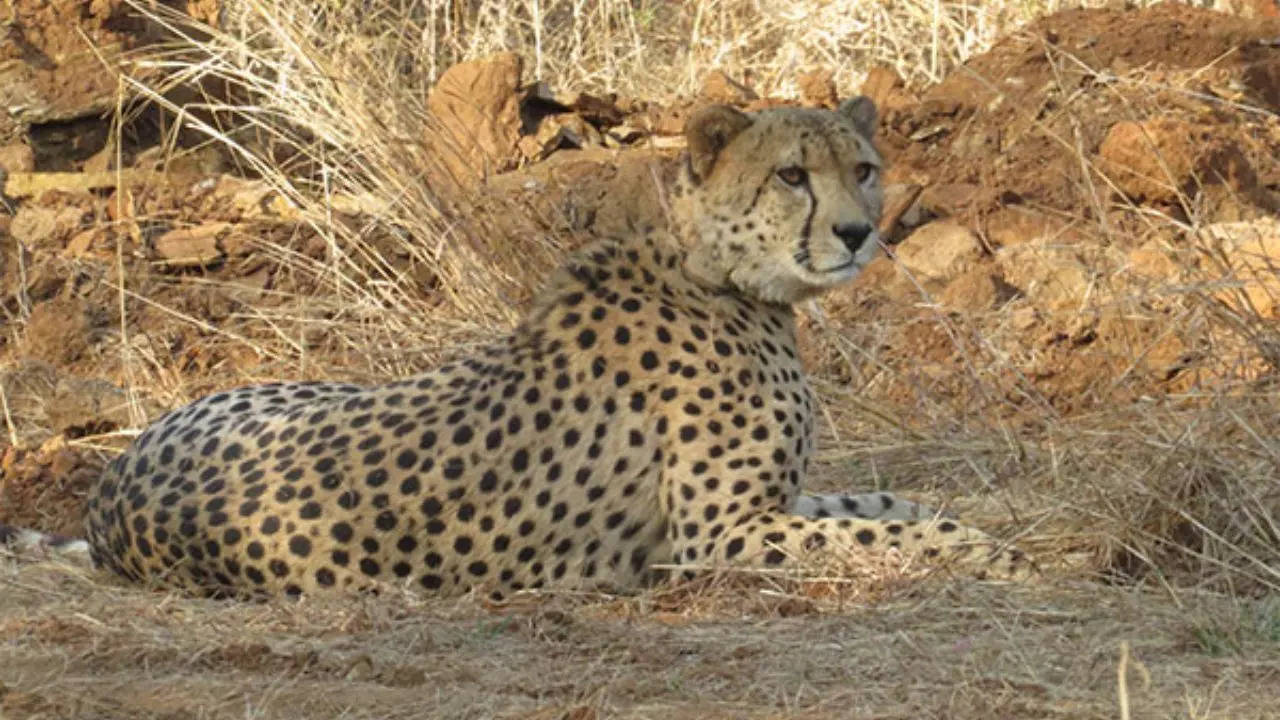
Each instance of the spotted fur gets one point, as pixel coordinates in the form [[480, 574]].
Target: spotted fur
[[650, 409]]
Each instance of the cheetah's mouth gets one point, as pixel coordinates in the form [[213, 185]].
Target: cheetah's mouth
[[838, 269]]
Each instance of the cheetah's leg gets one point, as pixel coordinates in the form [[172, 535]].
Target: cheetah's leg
[[869, 506]]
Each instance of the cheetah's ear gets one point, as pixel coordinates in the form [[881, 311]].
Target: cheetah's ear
[[860, 111], [708, 131]]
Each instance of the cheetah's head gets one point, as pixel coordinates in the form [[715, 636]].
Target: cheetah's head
[[781, 204]]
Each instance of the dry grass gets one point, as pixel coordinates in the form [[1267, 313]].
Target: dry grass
[[653, 49], [1177, 493], [76, 647]]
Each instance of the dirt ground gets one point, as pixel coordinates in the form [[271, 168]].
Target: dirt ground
[[1088, 232]]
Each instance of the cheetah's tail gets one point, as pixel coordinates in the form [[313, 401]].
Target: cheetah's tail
[[27, 544]]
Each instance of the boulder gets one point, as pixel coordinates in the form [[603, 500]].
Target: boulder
[[475, 118], [1251, 251]]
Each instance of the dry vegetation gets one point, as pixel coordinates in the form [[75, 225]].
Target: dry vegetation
[[1155, 508]]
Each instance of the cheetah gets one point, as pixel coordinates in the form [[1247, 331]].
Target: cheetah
[[650, 410]]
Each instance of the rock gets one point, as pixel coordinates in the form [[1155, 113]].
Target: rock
[[191, 247], [1149, 262], [560, 132], [33, 184], [1164, 159], [939, 251], [1252, 250], [17, 157], [818, 88], [253, 199], [248, 198], [50, 226], [1054, 277], [1014, 226], [624, 134], [475, 113]]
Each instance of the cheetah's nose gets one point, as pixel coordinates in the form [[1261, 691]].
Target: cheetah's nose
[[853, 235]]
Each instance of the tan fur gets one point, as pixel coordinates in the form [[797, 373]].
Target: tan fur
[[651, 409]]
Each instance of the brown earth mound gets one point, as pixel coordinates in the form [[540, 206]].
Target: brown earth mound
[[1051, 154], [1023, 123]]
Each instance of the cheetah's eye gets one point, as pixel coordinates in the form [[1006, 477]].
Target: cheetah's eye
[[793, 175], [863, 172]]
